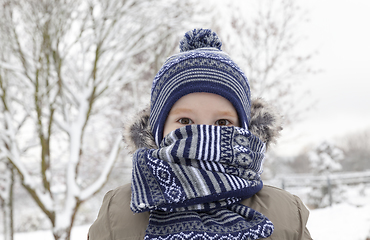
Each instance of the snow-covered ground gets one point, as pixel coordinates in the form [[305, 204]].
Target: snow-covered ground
[[78, 233], [340, 222]]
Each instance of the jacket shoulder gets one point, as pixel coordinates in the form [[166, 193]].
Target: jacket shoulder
[[285, 210], [116, 221]]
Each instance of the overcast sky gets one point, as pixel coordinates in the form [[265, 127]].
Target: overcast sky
[[339, 30]]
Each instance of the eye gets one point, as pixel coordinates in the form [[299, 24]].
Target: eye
[[185, 121], [222, 122]]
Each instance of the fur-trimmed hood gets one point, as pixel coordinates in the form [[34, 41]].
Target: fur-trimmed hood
[[265, 123]]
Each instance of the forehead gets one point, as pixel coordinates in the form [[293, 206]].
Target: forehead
[[204, 96], [204, 102]]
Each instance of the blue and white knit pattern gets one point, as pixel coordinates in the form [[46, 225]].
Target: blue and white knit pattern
[[205, 69], [192, 184], [199, 38], [234, 222]]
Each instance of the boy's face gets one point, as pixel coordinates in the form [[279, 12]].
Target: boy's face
[[201, 108]]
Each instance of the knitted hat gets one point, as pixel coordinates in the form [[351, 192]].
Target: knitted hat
[[200, 66]]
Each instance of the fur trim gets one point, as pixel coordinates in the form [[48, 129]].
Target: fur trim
[[138, 134], [265, 123]]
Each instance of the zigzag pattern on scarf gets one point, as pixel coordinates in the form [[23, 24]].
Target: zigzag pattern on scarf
[[198, 176], [224, 223]]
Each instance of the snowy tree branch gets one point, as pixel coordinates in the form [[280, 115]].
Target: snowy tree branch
[[103, 177]]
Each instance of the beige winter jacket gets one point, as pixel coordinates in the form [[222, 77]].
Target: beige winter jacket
[[117, 222], [287, 212]]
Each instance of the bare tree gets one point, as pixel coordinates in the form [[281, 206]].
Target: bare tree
[[66, 60], [325, 158], [356, 148], [6, 169], [264, 38], [73, 67], [6, 198]]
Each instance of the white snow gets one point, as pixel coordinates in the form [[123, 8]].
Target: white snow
[[341, 221], [78, 233], [86, 193]]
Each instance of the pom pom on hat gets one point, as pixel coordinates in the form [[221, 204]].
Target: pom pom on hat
[[200, 38]]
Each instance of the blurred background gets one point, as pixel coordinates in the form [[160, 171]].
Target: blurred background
[[74, 73]]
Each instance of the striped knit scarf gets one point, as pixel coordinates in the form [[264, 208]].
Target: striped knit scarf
[[193, 183]]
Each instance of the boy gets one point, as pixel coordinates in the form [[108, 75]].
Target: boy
[[198, 160]]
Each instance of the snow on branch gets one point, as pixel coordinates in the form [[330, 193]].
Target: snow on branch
[[13, 154], [99, 183], [69, 66]]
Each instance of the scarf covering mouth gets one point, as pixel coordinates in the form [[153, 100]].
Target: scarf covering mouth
[[193, 183]]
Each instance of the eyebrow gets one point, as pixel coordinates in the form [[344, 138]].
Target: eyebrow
[[189, 110], [227, 113], [181, 110]]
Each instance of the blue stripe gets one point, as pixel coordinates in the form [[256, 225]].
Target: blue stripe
[[203, 75], [177, 160], [221, 184], [208, 181], [227, 81], [198, 142], [188, 145]]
